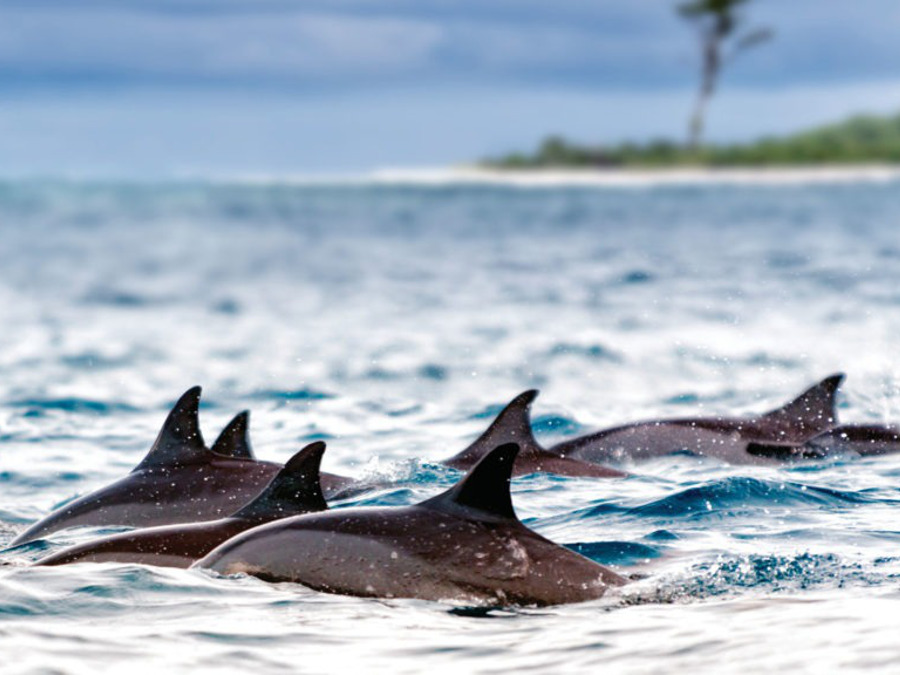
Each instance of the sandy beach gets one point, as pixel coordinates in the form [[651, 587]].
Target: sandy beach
[[876, 173]]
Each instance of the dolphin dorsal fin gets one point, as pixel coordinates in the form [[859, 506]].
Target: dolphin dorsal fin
[[234, 441], [813, 411], [484, 489], [294, 490], [512, 425], [179, 441]]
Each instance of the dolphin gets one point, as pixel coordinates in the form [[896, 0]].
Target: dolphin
[[513, 425], [812, 412], [465, 545], [234, 441], [179, 480], [294, 490], [864, 440]]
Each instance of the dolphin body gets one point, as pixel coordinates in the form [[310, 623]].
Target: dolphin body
[[864, 440], [513, 425], [294, 490], [179, 481], [734, 439], [465, 546]]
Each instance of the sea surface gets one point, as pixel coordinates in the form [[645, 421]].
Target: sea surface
[[393, 321]]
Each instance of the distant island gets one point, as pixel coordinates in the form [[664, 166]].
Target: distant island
[[858, 140]]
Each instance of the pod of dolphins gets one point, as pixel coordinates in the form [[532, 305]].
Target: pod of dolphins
[[220, 508]]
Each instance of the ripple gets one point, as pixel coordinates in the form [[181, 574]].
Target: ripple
[[276, 293], [431, 371], [556, 424], [302, 394], [38, 406], [595, 352], [616, 552], [123, 299], [724, 496], [227, 306], [635, 277], [93, 359]]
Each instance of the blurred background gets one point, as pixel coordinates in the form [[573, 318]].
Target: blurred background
[[160, 229], [165, 88]]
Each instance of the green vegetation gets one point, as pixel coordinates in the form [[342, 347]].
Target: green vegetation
[[858, 140]]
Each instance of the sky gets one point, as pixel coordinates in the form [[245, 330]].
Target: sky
[[272, 87]]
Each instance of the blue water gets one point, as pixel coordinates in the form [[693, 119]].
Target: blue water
[[393, 322]]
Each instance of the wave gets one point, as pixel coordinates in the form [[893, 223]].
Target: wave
[[301, 394], [616, 552], [39, 406], [729, 576], [723, 497]]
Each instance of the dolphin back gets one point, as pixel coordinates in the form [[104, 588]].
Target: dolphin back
[[464, 545]]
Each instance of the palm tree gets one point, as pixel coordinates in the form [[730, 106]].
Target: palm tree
[[717, 22]]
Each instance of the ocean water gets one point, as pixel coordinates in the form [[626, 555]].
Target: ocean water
[[393, 321]]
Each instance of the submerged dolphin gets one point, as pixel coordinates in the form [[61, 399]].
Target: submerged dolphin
[[728, 438], [465, 545], [513, 425], [179, 481], [234, 441], [865, 440], [294, 490]]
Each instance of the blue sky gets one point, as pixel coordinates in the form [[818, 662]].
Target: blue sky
[[172, 87]]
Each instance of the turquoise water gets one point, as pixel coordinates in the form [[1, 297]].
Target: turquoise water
[[393, 322]]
